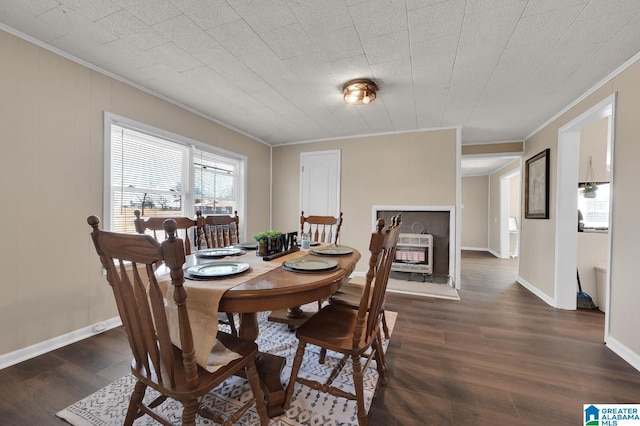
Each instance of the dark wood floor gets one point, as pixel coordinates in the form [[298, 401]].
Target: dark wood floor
[[497, 356]]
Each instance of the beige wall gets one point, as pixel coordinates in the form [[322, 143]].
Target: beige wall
[[51, 169], [593, 143], [417, 169], [493, 148], [475, 212], [593, 248], [537, 255]]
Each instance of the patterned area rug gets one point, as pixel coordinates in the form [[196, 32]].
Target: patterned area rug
[[108, 406]]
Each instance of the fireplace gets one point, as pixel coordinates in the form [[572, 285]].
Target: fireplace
[[414, 253], [424, 249]]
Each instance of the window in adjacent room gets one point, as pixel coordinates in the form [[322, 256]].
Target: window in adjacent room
[[595, 211]]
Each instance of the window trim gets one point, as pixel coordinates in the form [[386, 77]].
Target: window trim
[[191, 144]]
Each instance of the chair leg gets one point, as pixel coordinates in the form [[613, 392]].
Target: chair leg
[[381, 362], [295, 369], [189, 412], [323, 356], [358, 381], [136, 399], [232, 323], [385, 328], [254, 382]]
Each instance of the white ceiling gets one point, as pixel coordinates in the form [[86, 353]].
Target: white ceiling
[[484, 165], [273, 69]]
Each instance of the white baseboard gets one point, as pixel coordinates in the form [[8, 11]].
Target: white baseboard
[[488, 250], [623, 352], [15, 357], [548, 300]]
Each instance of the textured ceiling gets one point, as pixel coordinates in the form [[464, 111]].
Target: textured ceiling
[[273, 69]]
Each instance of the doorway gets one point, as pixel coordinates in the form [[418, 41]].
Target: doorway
[[567, 204], [510, 212]]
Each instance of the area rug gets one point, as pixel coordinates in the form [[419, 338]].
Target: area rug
[[108, 406]]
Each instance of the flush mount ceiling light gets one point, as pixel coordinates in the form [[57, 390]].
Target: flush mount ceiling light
[[360, 91]]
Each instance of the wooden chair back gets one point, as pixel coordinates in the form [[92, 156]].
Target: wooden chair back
[[371, 309], [218, 230], [161, 342], [130, 260], [186, 225], [323, 229], [354, 334]]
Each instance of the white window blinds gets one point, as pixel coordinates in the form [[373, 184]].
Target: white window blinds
[[164, 176], [146, 175], [215, 181]]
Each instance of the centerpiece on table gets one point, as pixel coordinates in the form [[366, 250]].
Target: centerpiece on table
[[272, 244], [266, 241]]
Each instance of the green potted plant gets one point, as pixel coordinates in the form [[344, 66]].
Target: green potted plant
[[589, 190], [262, 237]]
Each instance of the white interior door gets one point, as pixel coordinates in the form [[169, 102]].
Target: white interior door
[[320, 183]]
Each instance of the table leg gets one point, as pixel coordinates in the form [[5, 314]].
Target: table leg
[[269, 367], [293, 317]]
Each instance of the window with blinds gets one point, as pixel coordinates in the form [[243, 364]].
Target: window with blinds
[[161, 176], [214, 185], [595, 211]]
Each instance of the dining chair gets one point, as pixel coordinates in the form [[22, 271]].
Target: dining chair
[[167, 366], [353, 333], [349, 295], [323, 229], [185, 226], [154, 224], [218, 230]]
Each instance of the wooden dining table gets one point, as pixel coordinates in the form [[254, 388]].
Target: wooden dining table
[[269, 288]]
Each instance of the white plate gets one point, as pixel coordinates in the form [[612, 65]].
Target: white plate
[[308, 264], [332, 251], [217, 269], [218, 252]]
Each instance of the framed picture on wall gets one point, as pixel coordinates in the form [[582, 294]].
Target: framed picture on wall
[[536, 186]]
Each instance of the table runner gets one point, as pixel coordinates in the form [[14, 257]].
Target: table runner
[[203, 299]]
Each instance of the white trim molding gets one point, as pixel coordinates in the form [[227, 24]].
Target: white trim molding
[[547, 299], [15, 357]]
